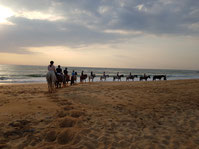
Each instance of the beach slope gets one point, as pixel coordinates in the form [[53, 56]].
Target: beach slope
[[126, 115]]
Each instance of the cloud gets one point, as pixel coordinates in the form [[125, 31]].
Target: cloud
[[74, 23]]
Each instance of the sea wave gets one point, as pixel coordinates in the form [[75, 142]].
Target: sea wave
[[3, 78], [35, 75]]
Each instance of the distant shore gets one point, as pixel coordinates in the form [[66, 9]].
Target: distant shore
[[152, 114]]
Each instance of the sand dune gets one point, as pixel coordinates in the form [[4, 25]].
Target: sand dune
[[104, 115]]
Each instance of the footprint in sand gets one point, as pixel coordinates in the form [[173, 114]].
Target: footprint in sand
[[66, 136], [67, 122]]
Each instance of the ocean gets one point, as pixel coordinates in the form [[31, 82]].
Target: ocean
[[36, 74]]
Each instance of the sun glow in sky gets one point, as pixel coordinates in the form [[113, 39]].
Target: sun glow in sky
[[160, 34], [4, 14]]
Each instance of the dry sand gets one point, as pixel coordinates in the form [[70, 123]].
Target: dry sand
[[104, 115]]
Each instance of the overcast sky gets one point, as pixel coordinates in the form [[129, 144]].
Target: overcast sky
[[101, 33]]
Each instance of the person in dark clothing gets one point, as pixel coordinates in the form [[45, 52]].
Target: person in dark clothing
[[82, 73], [72, 78], [104, 74], [66, 71], [91, 73], [117, 74], [59, 70]]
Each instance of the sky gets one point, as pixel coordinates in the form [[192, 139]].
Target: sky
[[158, 34]]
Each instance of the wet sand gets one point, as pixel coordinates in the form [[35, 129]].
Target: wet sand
[[104, 115]]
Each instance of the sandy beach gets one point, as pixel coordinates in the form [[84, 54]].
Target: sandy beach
[[101, 115]]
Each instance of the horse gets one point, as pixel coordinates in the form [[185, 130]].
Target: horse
[[118, 77], [144, 78], [73, 79], [60, 80], [83, 77], [91, 77], [51, 79], [131, 77], [159, 77], [66, 79], [104, 77]]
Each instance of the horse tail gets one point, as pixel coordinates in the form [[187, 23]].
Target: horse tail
[[50, 78]]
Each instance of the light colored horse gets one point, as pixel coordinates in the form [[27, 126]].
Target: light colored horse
[[104, 77], [91, 77], [51, 79]]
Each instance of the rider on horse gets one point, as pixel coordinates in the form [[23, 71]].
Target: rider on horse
[[104, 74], [118, 74], [59, 70], [92, 74], [72, 78], [66, 71]]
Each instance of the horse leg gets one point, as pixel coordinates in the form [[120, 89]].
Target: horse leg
[[49, 87]]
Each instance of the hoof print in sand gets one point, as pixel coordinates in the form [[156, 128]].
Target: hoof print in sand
[[61, 114], [68, 107], [51, 136], [66, 136], [68, 122], [19, 123], [76, 113]]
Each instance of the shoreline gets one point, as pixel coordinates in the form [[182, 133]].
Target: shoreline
[[152, 114], [37, 83]]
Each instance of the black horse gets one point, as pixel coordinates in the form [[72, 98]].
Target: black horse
[[131, 77], [83, 77], [144, 78], [159, 77], [118, 77]]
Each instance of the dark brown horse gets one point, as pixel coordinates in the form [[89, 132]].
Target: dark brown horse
[[66, 79], [83, 77], [59, 80], [118, 77], [73, 79], [144, 78], [131, 77], [159, 77]]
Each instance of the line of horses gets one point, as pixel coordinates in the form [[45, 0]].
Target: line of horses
[[65, 79]]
